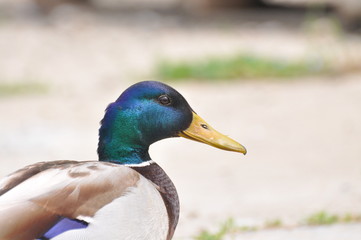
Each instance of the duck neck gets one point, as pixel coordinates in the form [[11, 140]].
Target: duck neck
[[122, 154], [120, 141]]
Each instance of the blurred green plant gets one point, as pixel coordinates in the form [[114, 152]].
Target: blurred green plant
[[229, 227], [239, 66], [349, 218], [226, 228], [274, 223], [322, 218], [22, 88]]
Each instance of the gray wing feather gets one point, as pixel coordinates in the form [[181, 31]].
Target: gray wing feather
[[33, 198]]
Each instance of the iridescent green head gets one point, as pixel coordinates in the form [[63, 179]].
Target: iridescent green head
[[145, 113]]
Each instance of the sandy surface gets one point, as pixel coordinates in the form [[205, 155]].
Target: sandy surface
[[303, 136], [349, 232]]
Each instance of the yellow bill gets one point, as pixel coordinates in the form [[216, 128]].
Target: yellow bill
[[201, 131]]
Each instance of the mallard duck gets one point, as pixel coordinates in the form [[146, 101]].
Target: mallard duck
[[125, 195]]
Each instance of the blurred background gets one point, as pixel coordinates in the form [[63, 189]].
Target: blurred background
[[280, 76]]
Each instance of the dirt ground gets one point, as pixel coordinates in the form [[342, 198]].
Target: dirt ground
[[303, 136]]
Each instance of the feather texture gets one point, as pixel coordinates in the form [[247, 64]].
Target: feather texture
[[45, 192]]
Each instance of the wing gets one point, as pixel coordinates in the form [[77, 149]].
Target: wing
[[35, 198], [23, 174]]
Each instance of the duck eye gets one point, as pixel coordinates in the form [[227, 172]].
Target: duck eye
[[164, 100]]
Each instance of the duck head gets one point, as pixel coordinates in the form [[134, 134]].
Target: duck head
[[148, 112]]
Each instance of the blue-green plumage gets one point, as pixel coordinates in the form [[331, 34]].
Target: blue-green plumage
[[145, 113]]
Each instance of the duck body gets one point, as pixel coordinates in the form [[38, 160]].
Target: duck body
[[125, 195], [65, 190]]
